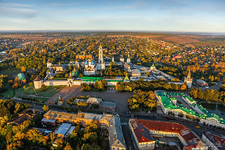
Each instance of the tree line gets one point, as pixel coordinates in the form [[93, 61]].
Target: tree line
[[148, 86]]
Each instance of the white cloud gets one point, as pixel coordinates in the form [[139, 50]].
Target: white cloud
[[10, 12], [14, 5]]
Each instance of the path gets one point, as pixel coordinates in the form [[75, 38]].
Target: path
[[65, 93]]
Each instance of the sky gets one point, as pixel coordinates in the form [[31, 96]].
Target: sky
[[111, 15]]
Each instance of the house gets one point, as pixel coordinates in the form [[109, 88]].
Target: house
[[201, 82], [25, 115]]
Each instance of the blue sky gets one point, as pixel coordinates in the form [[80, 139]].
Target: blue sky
[[146, 15]]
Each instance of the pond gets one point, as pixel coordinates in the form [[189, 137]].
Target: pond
[[218, 109]]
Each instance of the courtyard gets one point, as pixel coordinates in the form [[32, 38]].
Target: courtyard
[[119, 97]]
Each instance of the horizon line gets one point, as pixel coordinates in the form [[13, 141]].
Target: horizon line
[[146, 31]]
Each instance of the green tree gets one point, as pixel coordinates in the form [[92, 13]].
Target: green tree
[[43, 87], [45, 108]]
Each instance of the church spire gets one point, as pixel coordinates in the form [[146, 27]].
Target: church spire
[[189, 74]]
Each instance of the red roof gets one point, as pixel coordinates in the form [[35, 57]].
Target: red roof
[[188, 136], [142, 134], [216, 140]]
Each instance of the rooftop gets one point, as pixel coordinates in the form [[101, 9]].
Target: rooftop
[[188, 136], [63, 129], [141, 132], [216, 140], [108, 104]]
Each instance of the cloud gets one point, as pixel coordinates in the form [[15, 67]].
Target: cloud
[[10, 12], [14, 5]]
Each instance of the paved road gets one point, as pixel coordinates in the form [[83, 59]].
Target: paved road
[[65, 93]]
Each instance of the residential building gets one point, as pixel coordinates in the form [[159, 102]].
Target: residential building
[[106, 121], [213, 141]]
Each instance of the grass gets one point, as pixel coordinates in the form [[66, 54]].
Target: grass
[[10, 72], [50, 91], [42, 99], [27, 91], [9, 93]]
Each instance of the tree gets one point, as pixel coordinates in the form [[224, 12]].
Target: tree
[[45, 108], [23, 69], [183, 87], [43, 87], [68, 147], [52, 136], [31, 84]]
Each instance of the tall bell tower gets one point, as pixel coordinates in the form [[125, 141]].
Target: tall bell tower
[[188, 79], [101, 64], [100, 55]]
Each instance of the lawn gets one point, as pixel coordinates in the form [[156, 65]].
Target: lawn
[[27, 91], [42, 99], [50, 91], [9, 93], [11, 72]]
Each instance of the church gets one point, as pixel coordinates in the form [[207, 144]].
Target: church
[[91, 67]]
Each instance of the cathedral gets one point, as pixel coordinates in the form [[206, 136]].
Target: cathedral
[[91, 67]]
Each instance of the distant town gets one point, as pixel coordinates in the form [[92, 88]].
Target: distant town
[[112, 91]]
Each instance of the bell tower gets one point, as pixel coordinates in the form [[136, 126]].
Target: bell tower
[[100, 55], [188, 79], [101, 64]]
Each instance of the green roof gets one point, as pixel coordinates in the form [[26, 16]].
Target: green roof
[[168, 104], [91, 78], [21, 76], [202, 109], [153, 65], [175, 94], [189, 98]]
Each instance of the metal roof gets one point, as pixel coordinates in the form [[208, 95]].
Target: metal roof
[[63, 129]]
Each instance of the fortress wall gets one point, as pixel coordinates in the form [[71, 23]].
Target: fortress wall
[[77, 82], [55, 82], [112, 83]]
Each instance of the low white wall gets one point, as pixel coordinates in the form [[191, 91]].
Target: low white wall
[[77, 82], [55, 82], [112, 83]]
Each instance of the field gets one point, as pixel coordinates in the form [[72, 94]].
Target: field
[[137, 36], [180, 39]]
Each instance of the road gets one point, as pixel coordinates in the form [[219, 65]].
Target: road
[[152, 116]]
